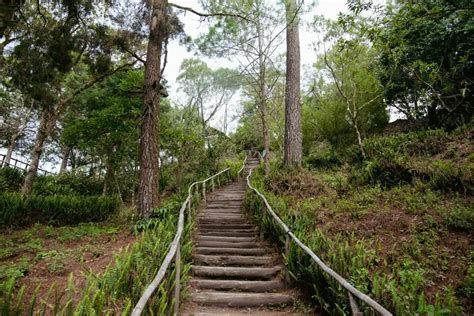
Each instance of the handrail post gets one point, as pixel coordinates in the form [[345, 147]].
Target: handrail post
[[212, 185], [204, 191], [354, 307], [287, 253], [177, 285], [189, 209]]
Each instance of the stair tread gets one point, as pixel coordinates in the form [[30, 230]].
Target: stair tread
[[240, 299], [239, 285]]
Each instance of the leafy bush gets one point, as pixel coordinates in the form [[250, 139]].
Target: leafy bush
[[460, 218], [68, 184], [386, 172], [323, 159], [10, 179], [403, 158], [445, 176], [56, 209]]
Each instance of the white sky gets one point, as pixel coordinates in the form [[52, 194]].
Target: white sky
[[193, 27]]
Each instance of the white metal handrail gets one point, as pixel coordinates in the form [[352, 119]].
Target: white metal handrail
[[175, 248], [290, 235]]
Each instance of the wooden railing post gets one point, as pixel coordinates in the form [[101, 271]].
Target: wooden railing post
[[287, 253], [177, 285], [354, 307], [212, 185], [204, 191], [190, 216]]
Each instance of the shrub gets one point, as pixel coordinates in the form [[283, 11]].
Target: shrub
[[444, 175], [56, 209], [323, 159], [68, 184], [460, 218], [10, 179], [386, 172]]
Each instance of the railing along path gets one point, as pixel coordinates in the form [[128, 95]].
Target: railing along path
[[290, 236], [175, 247], [175, 253], [16, 165]]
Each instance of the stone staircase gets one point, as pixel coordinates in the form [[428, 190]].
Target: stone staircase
[[234, 272]]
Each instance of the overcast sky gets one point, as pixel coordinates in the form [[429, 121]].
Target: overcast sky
[[193, 27]]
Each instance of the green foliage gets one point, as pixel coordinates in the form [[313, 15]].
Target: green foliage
[[68, 184], [408, 157], [10, 179], [323, 159], [460, 218], [399, 283], [426, 49], [351, 99], [118, 287], [16, 211]]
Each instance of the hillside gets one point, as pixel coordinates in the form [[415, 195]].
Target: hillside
[[398, 225]]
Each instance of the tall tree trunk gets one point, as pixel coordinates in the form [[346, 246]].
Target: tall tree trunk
[[65, 159], [149, 145], [353, 115], [10, 149], [109, 174], [293, 137], [266, 138], [359, 139], [47, 121], [262, 95]]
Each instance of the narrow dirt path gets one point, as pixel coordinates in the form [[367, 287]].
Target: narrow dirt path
[[233, 272]]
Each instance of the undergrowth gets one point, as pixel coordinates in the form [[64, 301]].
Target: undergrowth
[[324, 214], [118, 288]]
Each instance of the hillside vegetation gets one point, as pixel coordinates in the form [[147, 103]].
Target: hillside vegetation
[[398, 225]]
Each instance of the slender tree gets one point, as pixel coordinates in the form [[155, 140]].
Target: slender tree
[[293, 136]]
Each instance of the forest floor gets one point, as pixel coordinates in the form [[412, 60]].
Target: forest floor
[[42, 255]]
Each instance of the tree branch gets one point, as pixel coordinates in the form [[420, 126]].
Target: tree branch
[[207, 15]]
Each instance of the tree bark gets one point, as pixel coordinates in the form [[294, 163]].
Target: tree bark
[[149, 145], [10, 149], [109, 173], [47, 122], [266, 138], [293, 137], [65, 159], [262, 97]]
